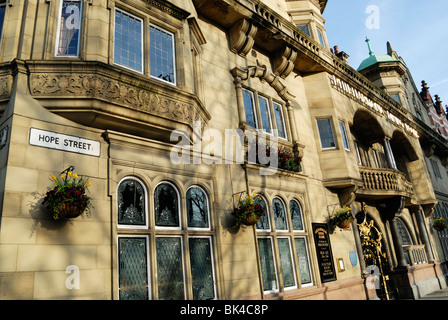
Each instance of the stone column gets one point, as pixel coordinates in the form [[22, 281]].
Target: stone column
[[240, 101], [423, 233], [389, 154], [398, 245]]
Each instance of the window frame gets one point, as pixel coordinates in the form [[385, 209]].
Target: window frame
[[256, 96], [345, 139], [148, 261], [321, 37], [330, 122], [151, 233], [283, 119], [209, 228], [254, 107], [173, 42], [308, 29], [276, 271], [2, 25], [131, 226], [142, 23], [311, 283], [292, 260], [58, 30], [291, 234], [212, 255], [183, 256], [179, 208]]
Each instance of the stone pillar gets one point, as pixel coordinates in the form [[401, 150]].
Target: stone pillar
[[389, 154], [398, 245], [423, 233], [240, 101]]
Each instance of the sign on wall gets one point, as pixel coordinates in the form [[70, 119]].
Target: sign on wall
[[63, 142], [324, 253]]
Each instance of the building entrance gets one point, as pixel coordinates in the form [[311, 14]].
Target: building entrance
[[375, 258]]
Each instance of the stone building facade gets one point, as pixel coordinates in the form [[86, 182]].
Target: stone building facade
[[136, 96]]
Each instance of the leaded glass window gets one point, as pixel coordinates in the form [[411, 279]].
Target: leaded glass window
[[166, 206], [197, 208], [286, 262], [162, 60], [69, 28], [249, 107], [170, 277], [202, 268], [344, 135], [131, 198], [128, 42], [280, 120], [173, 262], [326, 133], [265, 114], [268, 270], [133, 268], [280, 217], [2, 17], [303, 261], [296, 215], [263, 223]]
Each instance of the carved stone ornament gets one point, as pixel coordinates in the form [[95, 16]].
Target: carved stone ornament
[[242, 37], [264, 74], [137, 94], [284, 62]]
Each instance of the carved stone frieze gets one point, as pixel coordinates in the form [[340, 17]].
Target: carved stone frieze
[[151, 100], [5, 87]]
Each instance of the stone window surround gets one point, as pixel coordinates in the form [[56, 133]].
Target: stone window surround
[[289, 234], [150, 232]]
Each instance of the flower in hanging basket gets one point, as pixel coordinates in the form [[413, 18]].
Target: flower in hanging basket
[[342, 218], [68, 198], [248, 212], [439, 224]]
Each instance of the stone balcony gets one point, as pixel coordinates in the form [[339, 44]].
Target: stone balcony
[[383, 183]]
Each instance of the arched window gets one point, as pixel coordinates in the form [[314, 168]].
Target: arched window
[[164, 256], [283, 248], [197, 208], [263, 223], [405, 236], [166, 205], [296, 215], [131, 198], [280, 218]]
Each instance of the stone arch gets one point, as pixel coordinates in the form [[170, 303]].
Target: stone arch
[[367, 128]]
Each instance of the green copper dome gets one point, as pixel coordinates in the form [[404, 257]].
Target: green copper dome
[[374, 59]]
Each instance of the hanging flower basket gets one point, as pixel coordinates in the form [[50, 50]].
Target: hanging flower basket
[[247, 212], [342, 218], [68, 198], [439, 224]]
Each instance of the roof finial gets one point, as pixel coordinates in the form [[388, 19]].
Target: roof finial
[[370, 48]]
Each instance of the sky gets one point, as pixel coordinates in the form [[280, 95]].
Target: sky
[[417, 30]]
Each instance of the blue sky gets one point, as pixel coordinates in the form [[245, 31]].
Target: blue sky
[[416, 29]]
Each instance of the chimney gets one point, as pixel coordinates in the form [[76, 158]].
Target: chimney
[[438, 105], [341, 54]]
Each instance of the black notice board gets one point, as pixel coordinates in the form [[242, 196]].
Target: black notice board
[[324, 253]]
